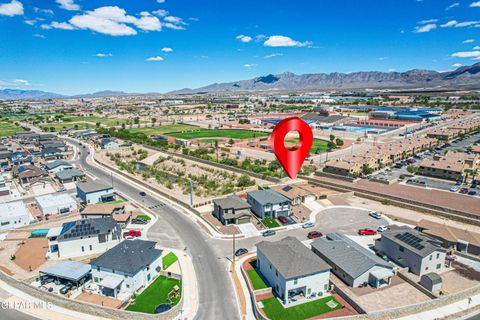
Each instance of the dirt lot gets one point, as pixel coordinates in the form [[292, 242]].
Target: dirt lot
[[31, 253], [398, 294], [459, 279], [100, 300]]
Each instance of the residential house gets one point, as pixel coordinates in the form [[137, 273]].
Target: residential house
[[5, 160], [127, 267], [92, 192], [14, 215], [103, 210], [69, 175], [52, 153], [83, 237], [292, 270], [295, 194], [268, 204], [352, 263], [107, 144], [4, 189], [343, 168], [56, 204], [18, 158], [30, 174], [413, 249], [232, 210], [57, 166]]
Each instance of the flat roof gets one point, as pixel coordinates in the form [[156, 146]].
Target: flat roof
[[69, 270], [50, 200], [111, 282], [13, 209]]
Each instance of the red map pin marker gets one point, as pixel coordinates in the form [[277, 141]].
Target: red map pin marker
[[292, 160]]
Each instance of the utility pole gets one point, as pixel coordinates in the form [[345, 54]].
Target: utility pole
[[233, 253], [191, 193], [111, 178]]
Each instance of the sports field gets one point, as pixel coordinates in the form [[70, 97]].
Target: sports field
[[165, 129], [69, 125], [317, 146], [8, 129], [219, 133]]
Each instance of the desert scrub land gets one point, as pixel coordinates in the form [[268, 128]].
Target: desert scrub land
[[173, 174]]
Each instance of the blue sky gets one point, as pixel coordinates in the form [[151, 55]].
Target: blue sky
[[80, 46]]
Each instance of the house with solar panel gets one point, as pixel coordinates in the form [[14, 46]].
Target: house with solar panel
[[83, 237], [412, 249]]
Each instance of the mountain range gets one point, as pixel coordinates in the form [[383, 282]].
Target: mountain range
[[466, 77]]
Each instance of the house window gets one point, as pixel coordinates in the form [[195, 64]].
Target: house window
[[95, 279], [98, 268], [438, 255], [430, 258], [83, 249], [325, 287], [295, 281], [91, 248], [128, 286], [439, 266], [276, 273]]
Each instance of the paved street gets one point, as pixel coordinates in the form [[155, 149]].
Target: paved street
[[217, 298], [9, 314]]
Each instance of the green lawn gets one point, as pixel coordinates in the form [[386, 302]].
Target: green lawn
[[256, 280], [318, 145], [275, 310], [168, 260], [145, 217], [220, 133], [8, 129], [114, 202], [106, 121], [67, 125], [155, 294], [270, 223], [165, 129]]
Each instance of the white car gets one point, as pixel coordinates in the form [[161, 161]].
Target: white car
[[454, 189], [375, 214], [308, 225], [382, 228]]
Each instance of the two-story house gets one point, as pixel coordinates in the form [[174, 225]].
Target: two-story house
[[269, 204], [232, 210]]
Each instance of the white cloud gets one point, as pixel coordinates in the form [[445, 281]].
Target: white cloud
[[22, 82], [160, 1], [392, 70], [10, 9], [244, 38], [114, 21], [427, 21], [425, 28], [453, 5], [44, 11], [475, 4], [155, 58], [160, 13], [175, 23], [38, 35], [103, 55], [167, 50], [58, 25], [249, 65], [382, 58], [450, 23], [283, 41], [457, 65], [273, 55], [456, 24], [476, 48], [69, 5], [468, 41], [467, 54]]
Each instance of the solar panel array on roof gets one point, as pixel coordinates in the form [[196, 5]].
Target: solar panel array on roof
[[287, 188], [410, 239]]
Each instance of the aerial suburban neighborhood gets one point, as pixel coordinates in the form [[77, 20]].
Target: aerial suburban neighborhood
[[222, 160]]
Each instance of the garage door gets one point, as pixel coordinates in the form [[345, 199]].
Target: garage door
[[310, 198]]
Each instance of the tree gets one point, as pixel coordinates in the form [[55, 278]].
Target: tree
[[231, 141], [412, 169], [366, 169], [244, 181], [153, 121], [97, 124], [339, 142], [332, 137], [331, 145], [216, 148]]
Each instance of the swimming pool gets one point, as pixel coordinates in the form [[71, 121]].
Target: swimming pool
[[39, 233], [359, 129]]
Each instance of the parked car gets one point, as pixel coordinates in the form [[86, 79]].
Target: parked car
[[314, 234], [240, 252], [268, 233], [61, 189], [464, 190], [472, 192], [133, 233], [66, 288], [375, 214], [283, 219], [454, 189], [382, 228], [308, 225], [367, 232], [139, 221]]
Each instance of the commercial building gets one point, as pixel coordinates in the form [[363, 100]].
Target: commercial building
[[127, 267], [412, 249], [292, 270], [352, 263]]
